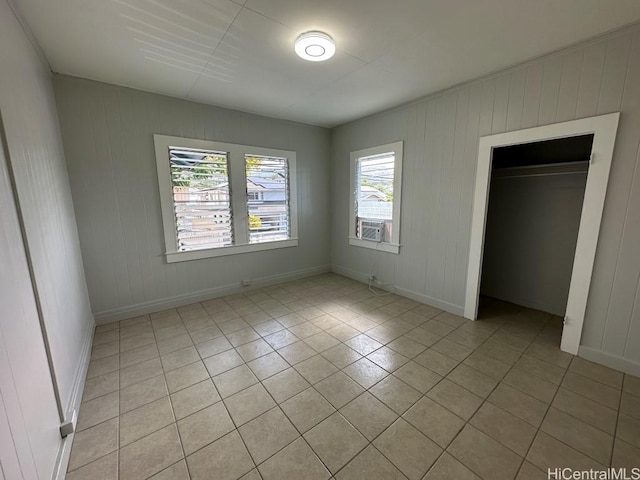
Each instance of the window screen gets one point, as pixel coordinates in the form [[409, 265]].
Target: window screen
[[267, 198], [374, 195], [201, 198]]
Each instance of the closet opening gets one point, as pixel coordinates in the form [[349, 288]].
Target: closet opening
[[536, 193], [537, 209]]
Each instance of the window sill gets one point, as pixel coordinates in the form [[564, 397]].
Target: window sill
[[379, 246], [173, 257]]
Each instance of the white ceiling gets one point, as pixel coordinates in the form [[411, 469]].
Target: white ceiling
[[239, 54]]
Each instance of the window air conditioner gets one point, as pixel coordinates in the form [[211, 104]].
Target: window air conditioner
[[372, 230]]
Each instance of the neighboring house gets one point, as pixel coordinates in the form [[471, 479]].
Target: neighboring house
[[268, 206], [206, 207], [368, 192], [374, 204]]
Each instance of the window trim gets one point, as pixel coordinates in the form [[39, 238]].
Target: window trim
[[393, 246], [239, 199]]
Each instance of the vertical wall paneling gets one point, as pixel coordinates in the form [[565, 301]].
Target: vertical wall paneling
[[43, 281], [598, 77], [114, 184], [633, 337], [568, 94], [463, 230], [459, 136], [501, 104], [627, 272], [516, 99], [614, 74], [448, 191], [617, 207], [551, 76], [532, 92], [590, 79]]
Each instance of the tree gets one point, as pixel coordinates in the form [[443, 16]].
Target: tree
[[252, 163], [207, 173], [254, 222], [381, 187]]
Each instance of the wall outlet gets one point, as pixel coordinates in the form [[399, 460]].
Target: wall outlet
[[372, 279], [245, 283]]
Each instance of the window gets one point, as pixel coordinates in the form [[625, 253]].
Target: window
[[255, 195], [201, 200], [267, 183], [376, 182], [222, 199]]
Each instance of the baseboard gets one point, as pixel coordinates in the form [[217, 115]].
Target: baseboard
[[434, 302], [405, 292], [122, 313], [609, 360], [523, 302], [64, 453]]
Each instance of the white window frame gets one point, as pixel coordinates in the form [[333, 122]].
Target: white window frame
[[239, 201], [393, 246]]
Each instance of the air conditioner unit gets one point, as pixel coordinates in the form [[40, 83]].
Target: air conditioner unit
[[372, 230]]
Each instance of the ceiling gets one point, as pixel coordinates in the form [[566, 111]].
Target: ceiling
[[239, 54]]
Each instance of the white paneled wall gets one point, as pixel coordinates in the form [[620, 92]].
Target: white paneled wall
[[36, 155], [108, 137], [30, 439], [441, 136], [41, 274]]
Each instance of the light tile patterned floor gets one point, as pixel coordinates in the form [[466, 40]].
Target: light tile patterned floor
[[320, 378]]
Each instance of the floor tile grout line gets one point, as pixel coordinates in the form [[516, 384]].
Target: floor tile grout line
[[236, 429], [409, 408], [337, 411], [539, 429], [486, 399], [615, 428], [291, 366], [390, 373], [387, 342], [570, 414]]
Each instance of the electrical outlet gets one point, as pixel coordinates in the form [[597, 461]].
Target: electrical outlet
[[372, 279], [245, 283]]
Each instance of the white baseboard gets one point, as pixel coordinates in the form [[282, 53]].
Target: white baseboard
[[609, 360], [557, 310], [129, 311], [405, 292], [64, 453]]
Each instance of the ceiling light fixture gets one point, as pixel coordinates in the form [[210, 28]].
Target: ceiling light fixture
[[315, 46]]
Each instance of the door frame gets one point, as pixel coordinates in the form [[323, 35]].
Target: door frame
[[603, 128]]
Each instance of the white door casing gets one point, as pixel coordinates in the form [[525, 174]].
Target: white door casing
[[604, 128]]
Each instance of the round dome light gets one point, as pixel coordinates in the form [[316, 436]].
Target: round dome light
[[315, 46]]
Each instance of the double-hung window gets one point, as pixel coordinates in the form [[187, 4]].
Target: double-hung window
[[222, 199], [376, 182]]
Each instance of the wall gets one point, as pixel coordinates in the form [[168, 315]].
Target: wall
[[108, 137], [530, 238], [30, 439], [42, 282], [441, 138]]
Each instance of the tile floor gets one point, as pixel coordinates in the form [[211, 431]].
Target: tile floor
[[320, 378]]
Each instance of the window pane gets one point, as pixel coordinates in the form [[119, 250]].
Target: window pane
[[201, 198], [374, 196], [267, 198]]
